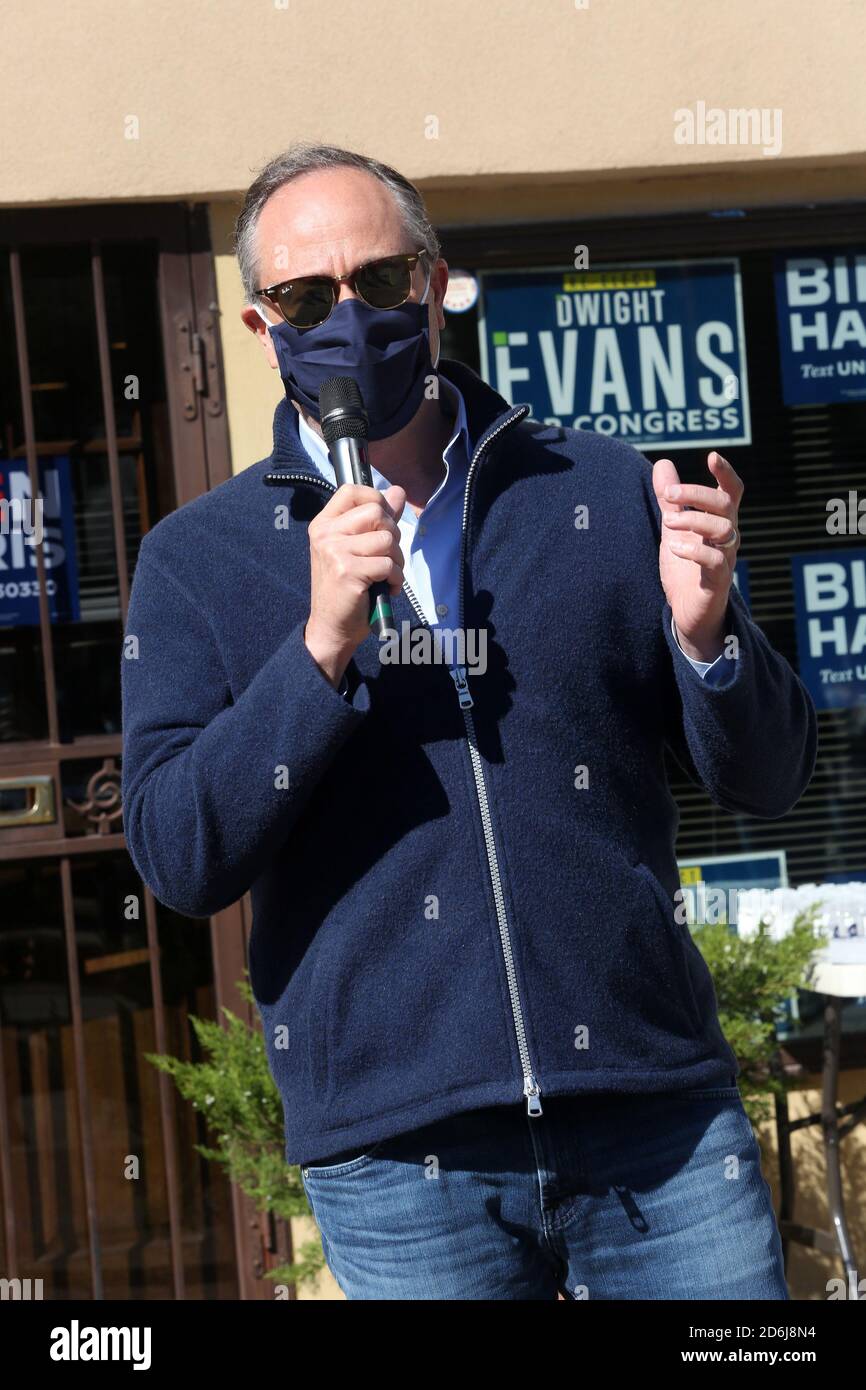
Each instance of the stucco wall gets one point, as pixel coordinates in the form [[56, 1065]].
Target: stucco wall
[[546, 89], [252, 389]]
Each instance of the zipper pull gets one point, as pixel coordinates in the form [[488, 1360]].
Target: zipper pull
[[532, 1091], [458, 675]]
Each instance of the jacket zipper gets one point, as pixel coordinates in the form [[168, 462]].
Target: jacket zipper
[[531, 1088]]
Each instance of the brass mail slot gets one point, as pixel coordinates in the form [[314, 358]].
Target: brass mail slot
[[37, 801]]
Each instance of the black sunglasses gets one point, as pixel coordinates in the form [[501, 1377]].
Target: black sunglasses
[[308, 301]]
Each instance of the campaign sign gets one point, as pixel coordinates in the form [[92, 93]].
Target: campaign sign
[[768, 869], [21, 523], [821, 311], [710, 886], [830, 605], [653, 354]]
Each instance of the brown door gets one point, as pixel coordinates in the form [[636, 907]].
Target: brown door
[[111, 413]]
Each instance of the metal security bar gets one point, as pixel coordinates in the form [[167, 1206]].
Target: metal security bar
[[87, 822]]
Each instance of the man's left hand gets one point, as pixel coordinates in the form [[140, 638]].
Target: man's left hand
[[696, 574]]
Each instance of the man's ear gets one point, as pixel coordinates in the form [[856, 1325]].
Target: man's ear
[[438, 286], [256, 324]]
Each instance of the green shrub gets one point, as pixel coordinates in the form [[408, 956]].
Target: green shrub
[[233, 1089], [754, 977]]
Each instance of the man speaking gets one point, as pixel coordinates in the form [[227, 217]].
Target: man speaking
[[497, 1046]]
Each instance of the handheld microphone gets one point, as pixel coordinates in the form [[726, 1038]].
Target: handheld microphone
[[344, 427]]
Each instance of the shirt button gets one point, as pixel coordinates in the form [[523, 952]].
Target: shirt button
[[422, 530], [442, 609]]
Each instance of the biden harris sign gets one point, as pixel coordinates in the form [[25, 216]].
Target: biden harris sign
[[821, 310], [25, 524], [830, 603], [652, 354]]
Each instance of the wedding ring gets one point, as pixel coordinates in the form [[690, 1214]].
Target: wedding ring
[[726, 545]]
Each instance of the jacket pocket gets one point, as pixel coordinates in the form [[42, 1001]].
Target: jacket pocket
[[682, 950], [317, 1051]]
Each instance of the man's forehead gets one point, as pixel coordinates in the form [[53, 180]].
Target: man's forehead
[[321, 220]]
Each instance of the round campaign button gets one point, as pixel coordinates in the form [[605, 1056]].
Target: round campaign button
[[462, 292]]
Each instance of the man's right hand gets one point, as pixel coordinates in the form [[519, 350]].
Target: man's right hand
[[354, 542]]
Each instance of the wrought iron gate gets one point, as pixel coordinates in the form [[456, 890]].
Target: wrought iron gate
[[111, 409]]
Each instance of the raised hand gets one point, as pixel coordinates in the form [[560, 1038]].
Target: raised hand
[[695, 565]]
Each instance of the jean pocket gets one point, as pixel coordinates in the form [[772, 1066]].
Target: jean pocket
[[341, 1169]]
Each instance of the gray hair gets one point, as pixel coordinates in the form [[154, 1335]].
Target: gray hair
[[306, 158]]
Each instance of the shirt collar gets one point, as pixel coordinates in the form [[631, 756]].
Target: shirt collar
[[461, 427], [317, 449]]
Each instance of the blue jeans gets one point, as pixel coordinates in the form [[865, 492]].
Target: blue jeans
[[602, 1197]]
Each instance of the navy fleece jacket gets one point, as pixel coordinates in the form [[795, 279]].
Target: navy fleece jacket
[[443, 919]]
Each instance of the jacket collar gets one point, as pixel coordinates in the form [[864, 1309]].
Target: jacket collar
[[486, 412]]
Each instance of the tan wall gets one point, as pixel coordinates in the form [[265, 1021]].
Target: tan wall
[[252, 389], [544, 110], [541, 89]]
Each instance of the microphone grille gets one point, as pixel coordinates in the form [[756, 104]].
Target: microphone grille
[[341, 409]]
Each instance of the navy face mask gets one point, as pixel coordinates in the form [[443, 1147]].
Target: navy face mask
[[386, 351]]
